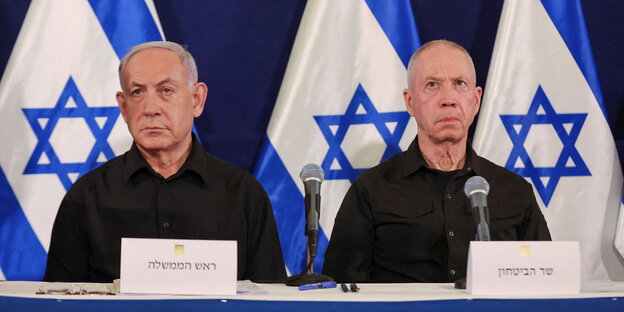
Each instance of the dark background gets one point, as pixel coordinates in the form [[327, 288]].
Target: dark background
[[242, 49]]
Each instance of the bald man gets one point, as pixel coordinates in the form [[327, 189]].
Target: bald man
[[407, 219]]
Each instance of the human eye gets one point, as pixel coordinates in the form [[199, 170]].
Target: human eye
[[431, 84], [461, 84], [167, 90], [136, 92]]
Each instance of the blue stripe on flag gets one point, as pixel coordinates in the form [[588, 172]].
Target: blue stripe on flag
[[396, 18], [570, 22], [21, 256], [289, 210], [126, 23]]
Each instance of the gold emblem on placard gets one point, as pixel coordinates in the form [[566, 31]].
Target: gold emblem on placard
[[178, 249], [525, 251]]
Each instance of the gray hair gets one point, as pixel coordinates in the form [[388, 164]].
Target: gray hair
[[186, 58], [448, 43]]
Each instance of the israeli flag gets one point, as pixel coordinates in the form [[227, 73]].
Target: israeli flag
[[59, 114], [340, 106], [543, 117]]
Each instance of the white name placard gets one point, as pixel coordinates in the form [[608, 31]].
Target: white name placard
[[523, 268], [178, 266]]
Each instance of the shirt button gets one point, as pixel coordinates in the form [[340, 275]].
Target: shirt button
[[449, 195], [166, 224], [468, 169], [452, 272], [451, 233]]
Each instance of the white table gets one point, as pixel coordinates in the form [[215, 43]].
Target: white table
[[20, 296]]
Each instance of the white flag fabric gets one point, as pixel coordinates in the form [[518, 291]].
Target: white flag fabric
[[619, 232], [59, 114], [340, 106], [543, 117]]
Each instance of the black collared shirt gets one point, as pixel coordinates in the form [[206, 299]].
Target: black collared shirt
[[402, 221], [206, 199]]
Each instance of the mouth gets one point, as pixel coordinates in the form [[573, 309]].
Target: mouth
[[448, 119], [152, 128]]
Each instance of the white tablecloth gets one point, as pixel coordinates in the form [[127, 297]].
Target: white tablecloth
[[277, 292]]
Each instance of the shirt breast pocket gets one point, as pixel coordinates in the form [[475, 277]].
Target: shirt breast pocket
[[395, 210], [505, 220], [405, 229]]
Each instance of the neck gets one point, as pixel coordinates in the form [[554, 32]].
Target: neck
[[444, 156], [167, 162]]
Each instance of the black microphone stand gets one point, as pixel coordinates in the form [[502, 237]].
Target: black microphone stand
[[308, 276]]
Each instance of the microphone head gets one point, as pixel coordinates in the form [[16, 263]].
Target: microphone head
[[476, 184], [312, 172]]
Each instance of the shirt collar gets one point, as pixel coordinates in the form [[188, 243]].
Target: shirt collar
[[135, 162], [413, 159]]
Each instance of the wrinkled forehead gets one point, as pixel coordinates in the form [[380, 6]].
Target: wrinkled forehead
[[152, 64], [444, 60], [155, 57]]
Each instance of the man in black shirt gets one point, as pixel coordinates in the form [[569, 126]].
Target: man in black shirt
[[165, 186], [407, 219]]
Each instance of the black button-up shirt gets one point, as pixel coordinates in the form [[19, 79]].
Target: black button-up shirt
[[402, 221], [206, 199]]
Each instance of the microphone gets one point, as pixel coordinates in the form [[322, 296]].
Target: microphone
[[312, 176], [476, 189]]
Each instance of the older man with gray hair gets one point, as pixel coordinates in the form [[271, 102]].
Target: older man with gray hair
[[165, 186], [407, 219]]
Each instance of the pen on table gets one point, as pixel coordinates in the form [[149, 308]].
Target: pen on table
[[353, 287], [320, 285], [344, 287]]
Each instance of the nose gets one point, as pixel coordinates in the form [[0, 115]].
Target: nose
[[447, 96], [448, 103], [152, 105]]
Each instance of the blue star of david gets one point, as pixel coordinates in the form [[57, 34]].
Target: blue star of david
[[51, 116], [352, 117], [569, 151]]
